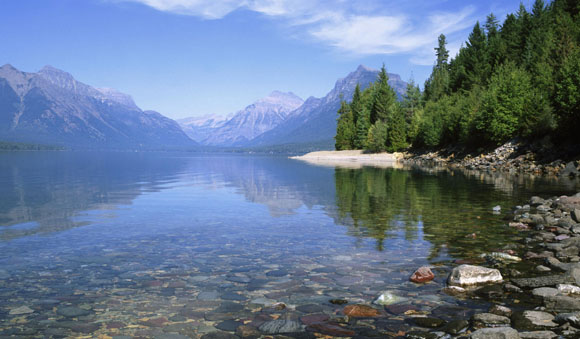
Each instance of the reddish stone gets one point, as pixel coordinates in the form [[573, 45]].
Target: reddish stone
[[361, 311], [157, 322], [422, 274], [314, 318], [330, 329]]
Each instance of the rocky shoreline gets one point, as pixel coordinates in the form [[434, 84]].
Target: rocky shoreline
[[542, 302], [512, 157]]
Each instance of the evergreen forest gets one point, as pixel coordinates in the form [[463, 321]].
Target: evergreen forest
[[516, 79]]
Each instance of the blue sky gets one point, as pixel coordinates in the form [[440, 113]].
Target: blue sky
[[194, 57]]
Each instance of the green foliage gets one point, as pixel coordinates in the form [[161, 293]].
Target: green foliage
[[506, 105], [567, 98], [431, 126], [345, 132], [518, 79], [377, 137], [438, 83], [362, 128], [384, 99], [397, 132]]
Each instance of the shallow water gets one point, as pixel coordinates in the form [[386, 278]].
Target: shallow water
[[146, 244]]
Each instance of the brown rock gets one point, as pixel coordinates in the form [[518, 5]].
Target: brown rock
[[330, 329], [361, 311], [422, 275], [314, 318]]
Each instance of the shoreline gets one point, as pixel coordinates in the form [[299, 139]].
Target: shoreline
[[511, 158], [351, 159]]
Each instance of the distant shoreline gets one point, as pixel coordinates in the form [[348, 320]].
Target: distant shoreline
[[351, 159]]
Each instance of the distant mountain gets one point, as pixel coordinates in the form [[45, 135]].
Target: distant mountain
[[315, 120], [254, 120], [52, 107], [200, 128]]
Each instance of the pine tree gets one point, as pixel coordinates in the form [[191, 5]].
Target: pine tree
[[345, 129], [412, 101], [491, 25], [385, 99], [397, 132], [438, 83], [441, 52], [362, 129]]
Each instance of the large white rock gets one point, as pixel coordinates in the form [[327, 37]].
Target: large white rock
[[473, 275]]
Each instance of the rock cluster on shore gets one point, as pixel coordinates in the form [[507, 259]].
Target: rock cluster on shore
[[512, 157], [535, 303]]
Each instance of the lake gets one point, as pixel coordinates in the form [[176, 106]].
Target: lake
[[181, 245]]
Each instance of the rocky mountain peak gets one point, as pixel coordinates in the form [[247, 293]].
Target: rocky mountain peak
[[345, 86], [288, 101], [52, 73], [118, 97], [363, 68]]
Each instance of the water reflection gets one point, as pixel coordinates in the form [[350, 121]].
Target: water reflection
[[46, 190]]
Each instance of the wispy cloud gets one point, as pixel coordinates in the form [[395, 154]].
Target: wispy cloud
[[353, 27]]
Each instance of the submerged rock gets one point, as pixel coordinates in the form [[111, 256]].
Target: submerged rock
[[281, 326], [548, 280], [544, 292], [464, 275], [562, 303], [422, 275], [538, 335], [429, 322], [489, 320], [21, 310], [456, 326], [454, 290], [501, 310], [501, 256], [361, 311], [533, 320], [389, 298], [72, 312], [495, 333], [334, 330]]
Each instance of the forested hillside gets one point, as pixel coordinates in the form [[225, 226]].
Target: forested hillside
[[520, 78]]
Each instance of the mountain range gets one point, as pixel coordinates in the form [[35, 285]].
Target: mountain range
[[51, 107], [289, 120], [246, 124]]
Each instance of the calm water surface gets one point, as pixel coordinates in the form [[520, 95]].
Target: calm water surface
[[147, 244]]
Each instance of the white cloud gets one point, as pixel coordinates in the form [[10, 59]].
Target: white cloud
[[349, 26]]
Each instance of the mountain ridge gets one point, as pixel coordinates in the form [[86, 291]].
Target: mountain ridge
[[52, 107]]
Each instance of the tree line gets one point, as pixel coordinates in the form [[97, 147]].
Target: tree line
[[517, 79]]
